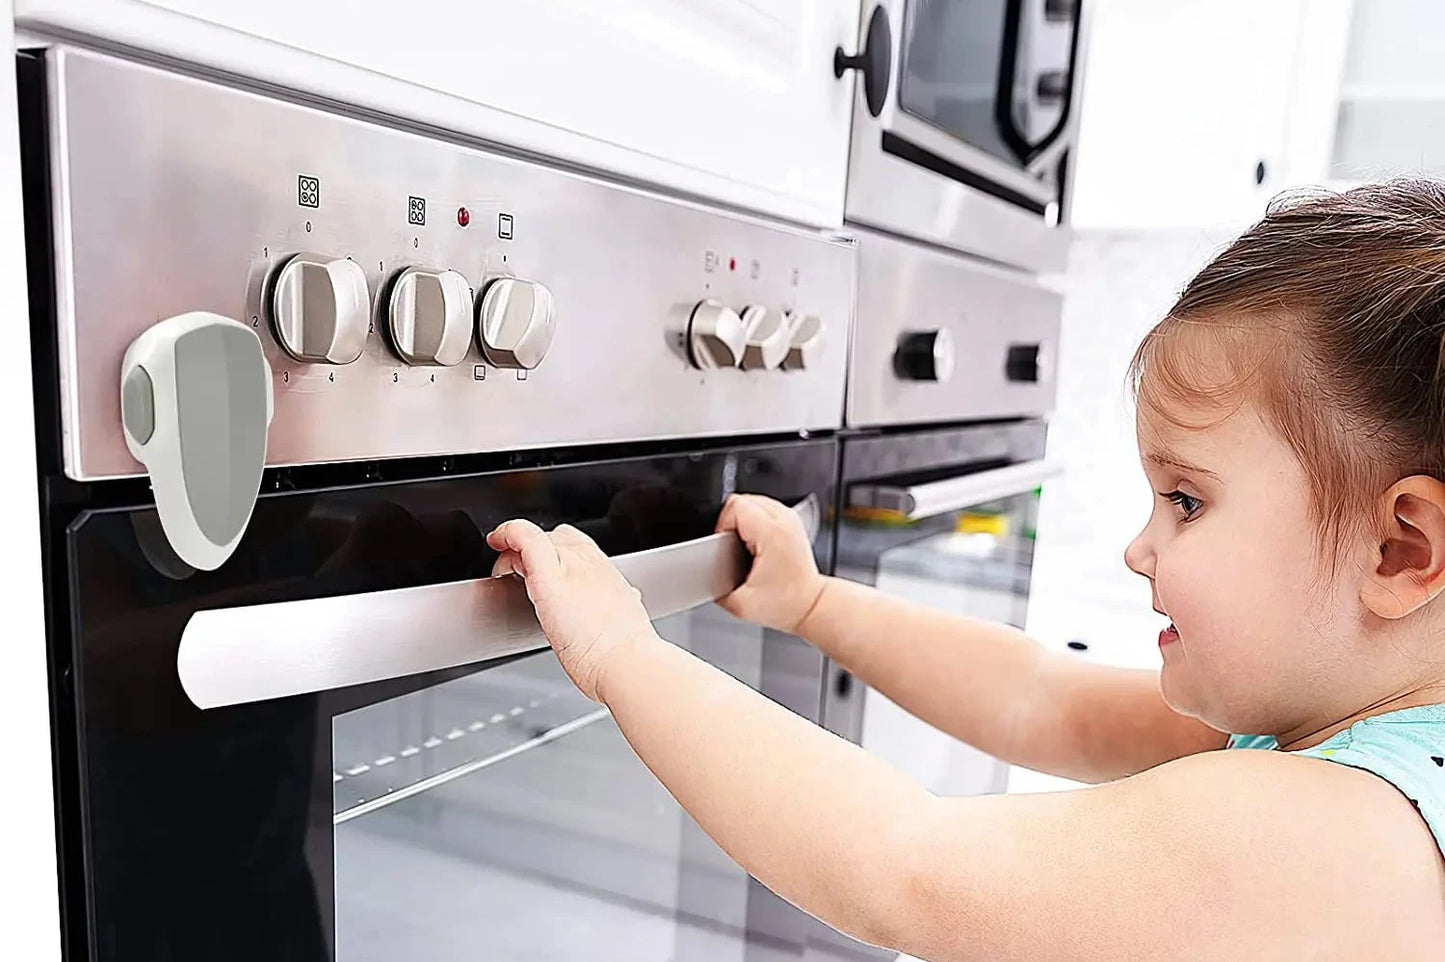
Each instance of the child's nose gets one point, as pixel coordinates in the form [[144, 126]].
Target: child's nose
[[1139, 556]]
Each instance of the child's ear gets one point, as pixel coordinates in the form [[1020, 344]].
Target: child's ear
[[1409, 563]]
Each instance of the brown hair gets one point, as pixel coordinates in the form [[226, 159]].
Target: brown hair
[[1330, 314]]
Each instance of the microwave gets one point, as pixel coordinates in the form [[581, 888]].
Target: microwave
[[965, 113]]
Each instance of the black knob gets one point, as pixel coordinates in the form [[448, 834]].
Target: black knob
[[1051, 86], [874, 61], [1060, 11], [924, 356], [1022, 363]]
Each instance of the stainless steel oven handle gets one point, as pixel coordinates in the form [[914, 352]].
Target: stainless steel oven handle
[[234, 656], [916, 501]]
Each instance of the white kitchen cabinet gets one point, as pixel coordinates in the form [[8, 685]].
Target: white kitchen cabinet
[[1196, 112], [733, 100], [1393, 93]]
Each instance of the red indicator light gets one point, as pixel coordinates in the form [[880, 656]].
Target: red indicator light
[[732, 263], [464, 217]]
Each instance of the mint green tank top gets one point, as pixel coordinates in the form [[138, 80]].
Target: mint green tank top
[[1406, 748]]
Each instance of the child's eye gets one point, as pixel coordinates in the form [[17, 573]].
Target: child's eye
[[1188, 504]]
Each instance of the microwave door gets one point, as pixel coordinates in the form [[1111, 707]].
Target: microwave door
[[1038, 73], [960, 64], [236, 656]]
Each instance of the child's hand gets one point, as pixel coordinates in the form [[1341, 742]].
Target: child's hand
[[587, 609], [784, 583]]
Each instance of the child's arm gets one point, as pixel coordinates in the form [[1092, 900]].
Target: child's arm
[[992, 686], [987, 684], [1221, 856], [1217, 857]]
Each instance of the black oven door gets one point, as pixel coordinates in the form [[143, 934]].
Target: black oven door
[[482, 811]]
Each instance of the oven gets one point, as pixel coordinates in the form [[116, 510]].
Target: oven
[[426, 814], [294, 717], [951, 382], [963, 122], [944, 517]]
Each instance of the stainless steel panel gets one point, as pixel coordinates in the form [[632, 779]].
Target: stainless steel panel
[[905, 288], [175, 194], [894, 195]]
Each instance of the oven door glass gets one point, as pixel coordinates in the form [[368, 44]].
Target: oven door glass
[[971, 560], [953, 537], [482, 811], [996, 75]]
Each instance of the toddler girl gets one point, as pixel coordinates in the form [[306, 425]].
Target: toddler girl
[[1291, 422]]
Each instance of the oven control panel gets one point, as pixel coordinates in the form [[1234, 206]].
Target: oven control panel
[[415, 296], [945, 337]]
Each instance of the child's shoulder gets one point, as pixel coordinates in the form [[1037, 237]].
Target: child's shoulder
[[1406, 748]]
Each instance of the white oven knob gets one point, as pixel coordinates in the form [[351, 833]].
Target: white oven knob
[[716, 336], [429, 317], [515, 322], [768, 338], [805, 342], [321, 308]]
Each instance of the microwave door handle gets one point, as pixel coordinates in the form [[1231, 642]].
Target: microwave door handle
[[917, 501], [1037, 153], [235, 656]]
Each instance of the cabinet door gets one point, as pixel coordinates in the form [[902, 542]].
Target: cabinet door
[[729, 99], [1186, 106]]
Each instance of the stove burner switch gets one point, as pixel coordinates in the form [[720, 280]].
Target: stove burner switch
[[515, 323], [767, 338], [321, 309], [716, 336], [429, 317], [805, 341]]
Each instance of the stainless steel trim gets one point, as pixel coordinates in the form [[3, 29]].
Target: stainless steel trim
[[234, 656], [926, 500], [161, 211], [461, 771]]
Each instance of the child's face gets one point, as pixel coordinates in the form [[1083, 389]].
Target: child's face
[[1262, 630]]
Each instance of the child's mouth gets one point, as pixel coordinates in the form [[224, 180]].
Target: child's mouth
[[1169, 635]]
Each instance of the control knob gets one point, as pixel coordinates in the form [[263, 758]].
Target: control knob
[[515, 322], [924, 356], [429, 317], [767, 338], [321, 308], [805, 340], [716, 336]]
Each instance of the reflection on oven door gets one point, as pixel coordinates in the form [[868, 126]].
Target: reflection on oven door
[[503, 816], [973, 562]]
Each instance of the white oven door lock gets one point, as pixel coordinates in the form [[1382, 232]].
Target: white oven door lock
[[195, 401]]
